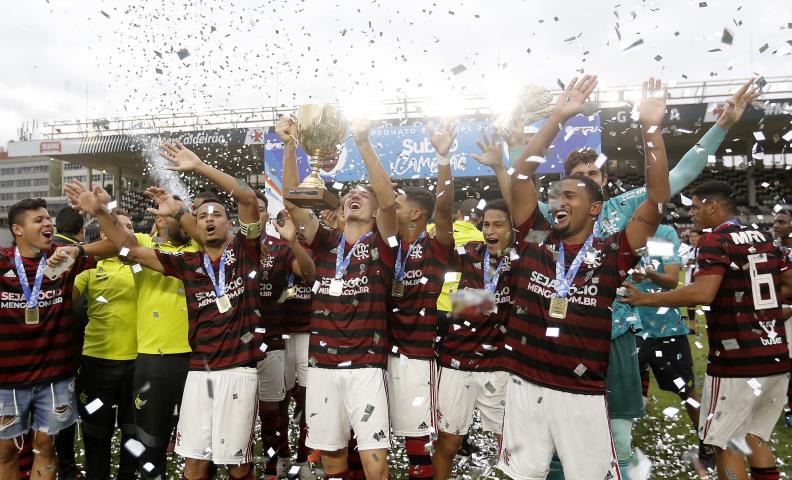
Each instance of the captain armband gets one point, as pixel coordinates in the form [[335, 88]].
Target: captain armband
[[250, 230]]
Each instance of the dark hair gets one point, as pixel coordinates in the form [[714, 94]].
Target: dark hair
[[92, 232], [593, 189], [17, 211], [468, 207], [260, 195], [206, 195], [421, 197], [497, 204], [69, 221], [695, 230], [583, 156], [716, 190]]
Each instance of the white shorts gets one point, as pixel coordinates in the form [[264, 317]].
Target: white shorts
[[730, 409], [218, 415], [297, 360], [541, 421], [460, 391], [412, 393], [271, 377], [337, 401]]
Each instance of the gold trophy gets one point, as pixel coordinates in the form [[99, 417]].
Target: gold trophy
[[320, 129]]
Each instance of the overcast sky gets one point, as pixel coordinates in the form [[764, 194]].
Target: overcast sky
[[91, 58]]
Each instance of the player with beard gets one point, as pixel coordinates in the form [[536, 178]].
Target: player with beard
[[558, 339], [280, 258], [743, 278], [38, 341], [625, 402], [469, 373], [348, 344], [219, 402], [419, 272]]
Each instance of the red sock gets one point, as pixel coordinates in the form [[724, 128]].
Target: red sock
[[420, 459], [765, 473], [283, 430], [355, 464], [299, 399], [270, 425]]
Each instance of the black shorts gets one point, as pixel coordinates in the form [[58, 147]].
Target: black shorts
[[670, 360]]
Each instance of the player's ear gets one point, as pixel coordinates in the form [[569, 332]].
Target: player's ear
[[595, 209]]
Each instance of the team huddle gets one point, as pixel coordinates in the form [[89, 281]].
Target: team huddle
[[397, 315]]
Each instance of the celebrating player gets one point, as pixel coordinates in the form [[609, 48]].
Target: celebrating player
[[740, 274]]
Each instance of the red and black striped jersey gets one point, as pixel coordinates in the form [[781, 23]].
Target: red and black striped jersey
[[350, 330], [569, 354], [299, 307], [276, 262], [47, 351], [745, 325], [221, 340], [412, 317], [474, 338]]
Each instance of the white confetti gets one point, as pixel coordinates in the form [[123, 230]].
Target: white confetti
[[101, 299], [136, 268], [134, 447], [670, 411], [393, 242], [95, 405], [123, 252], [658, 247], [759, 136], [552, 331], [685, 200]]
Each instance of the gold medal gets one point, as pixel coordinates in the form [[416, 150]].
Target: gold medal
[[223, 303], [397, 289], [291, 292], [32, 316], [558, 307]]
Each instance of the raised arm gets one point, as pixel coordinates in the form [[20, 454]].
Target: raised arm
[[303, 264], [305, 219], [126, 244], [646, 219], [184, 160], [693, 162], [167, 206], [492, 156], [442, 140], [387, 224], [523, 191]]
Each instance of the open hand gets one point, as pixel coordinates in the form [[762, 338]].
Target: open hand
[[61, 254], [180, 157], [87, 201], [737, 103], [443, 139], [652, 108], [491, 151], [574, 96], [166, 204]]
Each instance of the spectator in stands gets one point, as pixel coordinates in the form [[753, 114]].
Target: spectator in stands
[[70, 227]]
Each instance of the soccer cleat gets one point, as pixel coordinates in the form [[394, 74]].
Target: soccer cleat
[[706, 455]]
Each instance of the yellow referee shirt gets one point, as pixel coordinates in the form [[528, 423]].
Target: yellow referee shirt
[[464, 232], [112, 304], [162, 305]]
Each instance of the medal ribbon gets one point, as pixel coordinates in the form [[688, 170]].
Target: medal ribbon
[[565, 279], [31, 297], [401, 266], [219, 284], [490, 284], [343, 262]]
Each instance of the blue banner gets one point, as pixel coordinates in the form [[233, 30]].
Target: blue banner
[[406, 152]]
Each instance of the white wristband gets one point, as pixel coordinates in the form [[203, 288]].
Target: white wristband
[[441, 160]]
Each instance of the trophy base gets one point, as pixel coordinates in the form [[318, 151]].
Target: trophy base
[[312, 198]]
